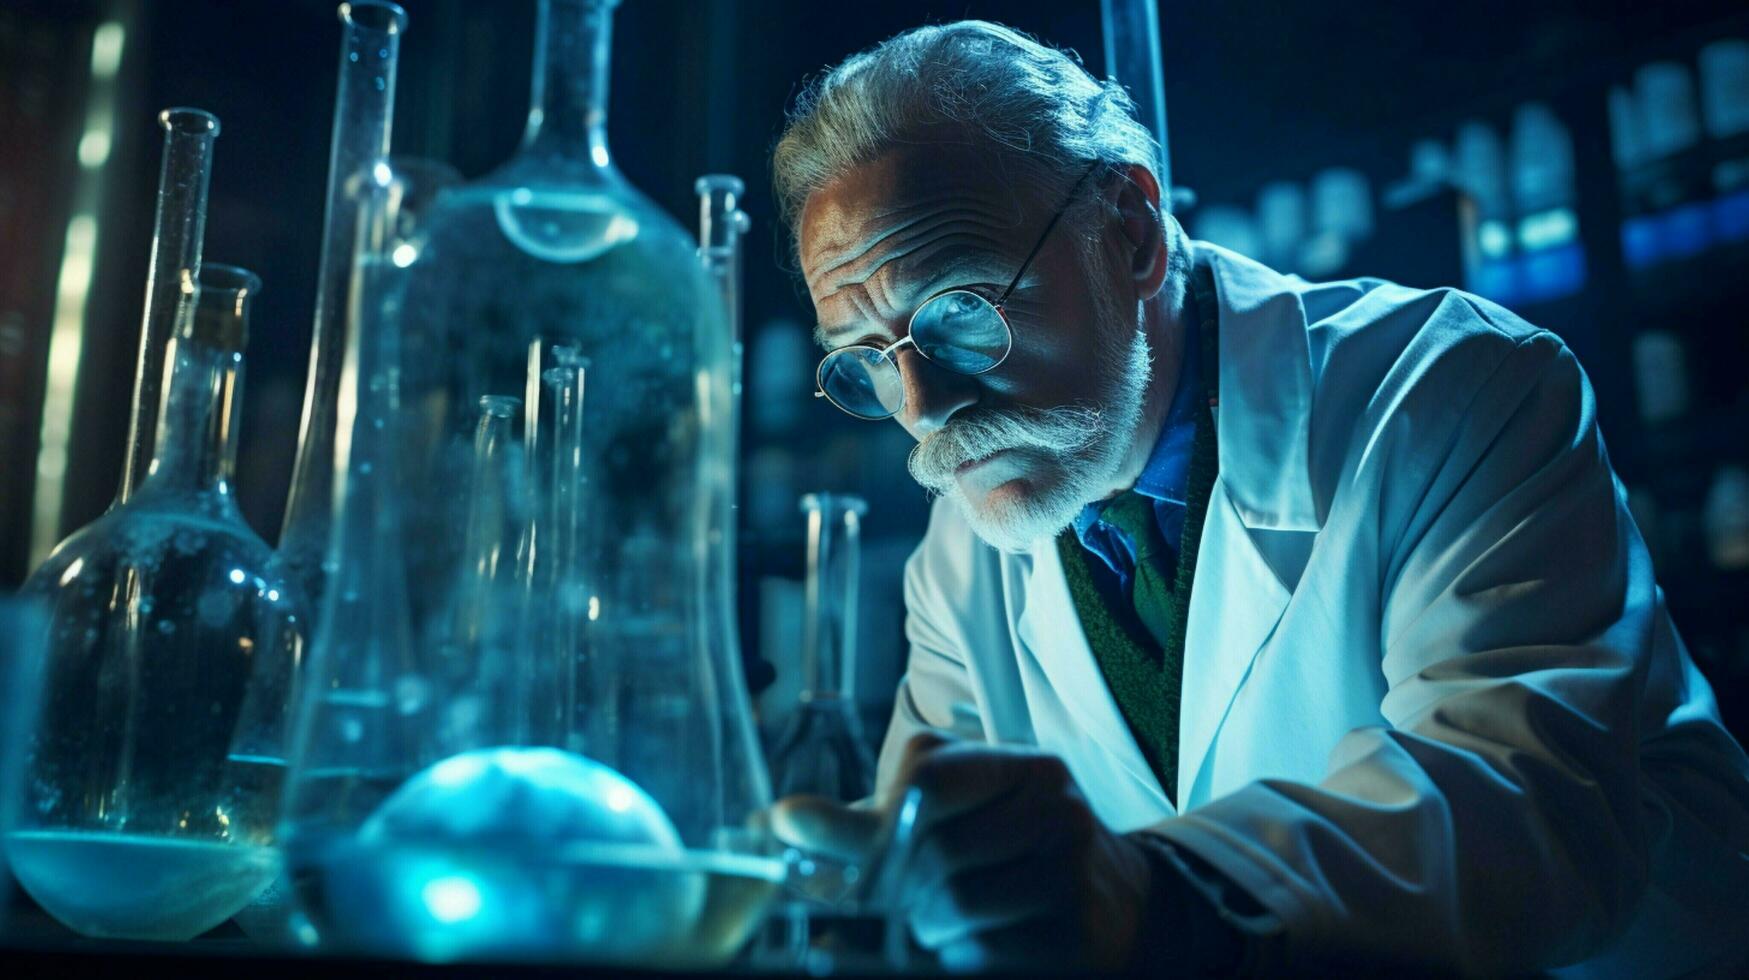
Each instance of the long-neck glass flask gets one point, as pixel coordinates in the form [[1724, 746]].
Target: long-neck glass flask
[[555, 250], [179, 230], [365, 716], [822, 750], [353, 744], [157, 762], [363, 112]]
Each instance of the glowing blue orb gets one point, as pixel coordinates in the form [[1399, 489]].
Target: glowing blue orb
[[519, 853]]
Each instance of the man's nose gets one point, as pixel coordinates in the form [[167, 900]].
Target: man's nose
[[932, 393]]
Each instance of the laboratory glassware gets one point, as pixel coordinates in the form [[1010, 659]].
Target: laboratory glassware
[[23, 639], [155, 767], [179, 230], [441, 806], [357, 724], [721, 225], [823, 751], [363, 113], [554, 278]]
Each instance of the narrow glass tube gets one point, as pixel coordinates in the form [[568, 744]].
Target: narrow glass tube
[[822, 751], [834, 576], [179, 229], [363, 113], [564, 545], [490, 638], [489, 541]]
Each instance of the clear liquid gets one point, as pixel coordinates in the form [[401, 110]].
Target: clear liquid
[[128, 886], [590, 901], [167, 679]]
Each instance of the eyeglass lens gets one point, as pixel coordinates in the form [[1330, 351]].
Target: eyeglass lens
[[958, 330]]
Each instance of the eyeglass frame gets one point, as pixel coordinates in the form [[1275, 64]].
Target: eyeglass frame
[[891, 351]]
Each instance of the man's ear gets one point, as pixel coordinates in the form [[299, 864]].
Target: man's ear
[[1137, 196]]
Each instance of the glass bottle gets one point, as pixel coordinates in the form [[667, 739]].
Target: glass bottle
[[363, 113], [179, 230], [156, 764], [618, 821], [822, 750]]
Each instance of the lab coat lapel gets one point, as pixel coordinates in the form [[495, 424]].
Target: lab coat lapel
[[1263, 417], [1236, 600], [1265, 413], [1050, 629]]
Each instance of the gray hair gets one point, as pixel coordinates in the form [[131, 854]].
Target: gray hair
[[1035, 105]]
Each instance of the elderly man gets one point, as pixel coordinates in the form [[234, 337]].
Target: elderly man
[[1260, 624]]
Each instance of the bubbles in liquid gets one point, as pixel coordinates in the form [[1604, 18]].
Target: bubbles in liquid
[[563, 226]]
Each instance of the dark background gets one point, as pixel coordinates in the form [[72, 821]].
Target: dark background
[[1256, 92]]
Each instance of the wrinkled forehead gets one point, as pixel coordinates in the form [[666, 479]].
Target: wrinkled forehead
[[876, 207]]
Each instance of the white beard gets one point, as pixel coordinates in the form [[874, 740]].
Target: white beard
[[1079, 447]]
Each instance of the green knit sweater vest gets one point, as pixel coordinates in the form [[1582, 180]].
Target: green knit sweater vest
[[1144, 671]]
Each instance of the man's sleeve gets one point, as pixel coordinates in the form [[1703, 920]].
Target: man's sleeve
[[1494, 826]]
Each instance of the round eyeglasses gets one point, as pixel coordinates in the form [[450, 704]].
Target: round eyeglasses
[[956, 329]]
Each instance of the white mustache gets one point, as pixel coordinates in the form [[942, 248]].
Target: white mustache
[[969, 436]]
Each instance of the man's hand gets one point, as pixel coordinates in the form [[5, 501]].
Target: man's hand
[[1009, 867]]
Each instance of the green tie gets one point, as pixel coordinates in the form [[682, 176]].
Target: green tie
[[1151, 582], [1139, 643]]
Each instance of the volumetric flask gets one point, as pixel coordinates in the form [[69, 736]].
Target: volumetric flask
[[155, 767]]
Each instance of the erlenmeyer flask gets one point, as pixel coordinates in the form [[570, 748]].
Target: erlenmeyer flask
[[363, 111], [155, 769], [822, 751], [179, 231]]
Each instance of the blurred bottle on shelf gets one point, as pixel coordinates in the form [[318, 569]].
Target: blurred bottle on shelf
[[1429, 171], [1667, 208], [1551, 261], [1479, 171], [1726, 518], [1342, 218], [1660, 376], [1281, 224], [1229, 227], [1724, 101]]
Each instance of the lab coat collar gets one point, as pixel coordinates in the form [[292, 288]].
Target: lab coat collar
[[1264, 415]]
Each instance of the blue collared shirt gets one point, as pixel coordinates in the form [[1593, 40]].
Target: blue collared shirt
[[1164, 478]]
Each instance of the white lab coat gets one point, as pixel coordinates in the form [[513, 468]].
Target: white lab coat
[[1434, 711]]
